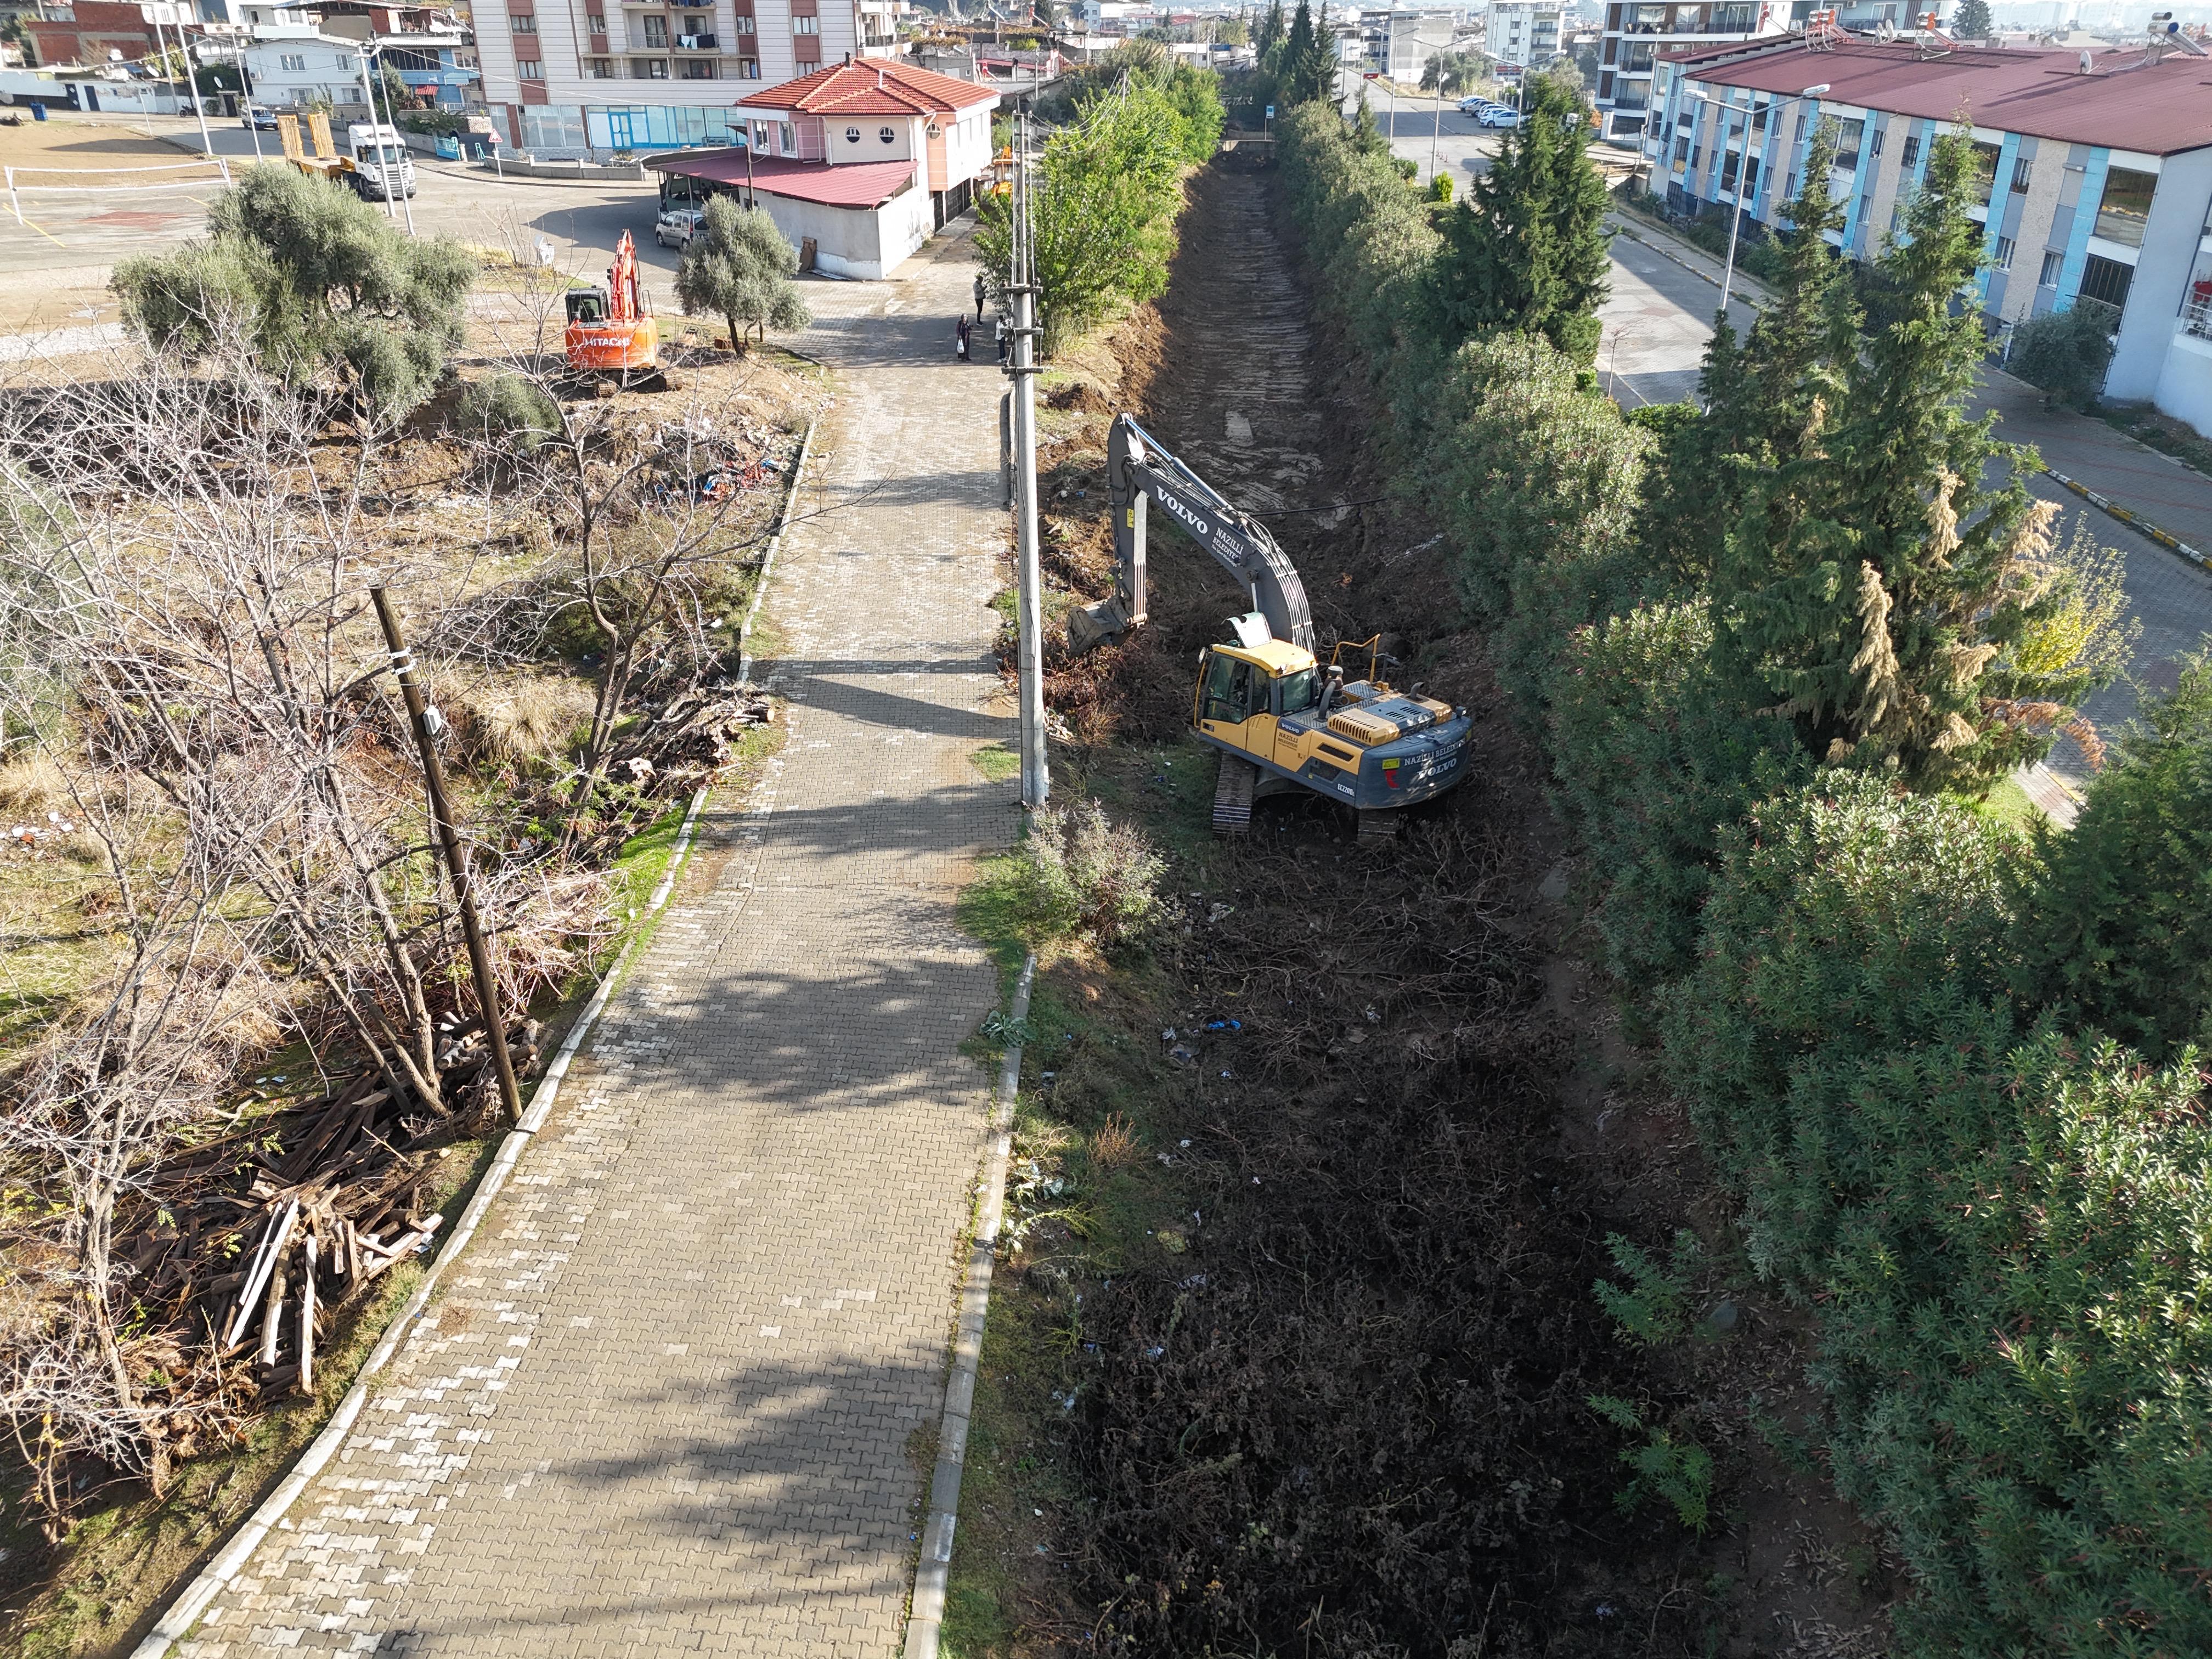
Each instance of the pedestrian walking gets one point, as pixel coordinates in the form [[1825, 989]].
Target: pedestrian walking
[[979, 296], [960, 332]]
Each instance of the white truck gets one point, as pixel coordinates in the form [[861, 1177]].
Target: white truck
[[372, 149]]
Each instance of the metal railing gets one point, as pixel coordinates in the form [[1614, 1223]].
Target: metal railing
[[2196, 317]]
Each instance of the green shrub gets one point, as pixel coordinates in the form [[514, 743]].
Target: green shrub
[[1650, 761], [2066, 353], [1678, 1472], [1652, 1309], [2124, 919], [1079, 875], [1440, 188], [1849, 921], [508, 410], [1538, 481]]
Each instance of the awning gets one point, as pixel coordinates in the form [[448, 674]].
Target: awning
[[854, 183]]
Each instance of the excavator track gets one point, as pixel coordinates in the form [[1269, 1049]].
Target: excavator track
[[1232, 796], [1379, 826]]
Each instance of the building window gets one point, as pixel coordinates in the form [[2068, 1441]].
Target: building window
[[648, 69], [1681, 153], [2002, 259], [529, 69], [596, 22], [2120, 215], [887, 135], [603, 69], [1866, 208], [783, 140], [293, 65], [749, 69], [699, 68], [656, 32], [1874, 144], [2053, 263], [2023, 168], [1985, 172], [522, 23], [745, 26], [2106, 280], [694, 26], [806, 26], [852, 135], [1803, 116], [1848, 135], [1910, 155]]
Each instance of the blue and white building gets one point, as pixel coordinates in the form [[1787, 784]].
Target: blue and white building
[[2097, 174]]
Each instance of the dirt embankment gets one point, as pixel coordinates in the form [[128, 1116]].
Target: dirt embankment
[[1344, 1407]]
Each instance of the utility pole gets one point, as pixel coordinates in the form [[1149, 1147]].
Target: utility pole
[[457, 857], [399, 146], [1037, 782], [368, 91], [245, 91]]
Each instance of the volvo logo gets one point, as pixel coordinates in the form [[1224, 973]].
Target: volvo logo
[[1198, 525]]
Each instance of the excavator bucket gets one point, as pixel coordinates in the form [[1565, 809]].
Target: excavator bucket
[[1089, 626]]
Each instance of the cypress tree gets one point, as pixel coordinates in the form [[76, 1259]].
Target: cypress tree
[[1871, 580], [1305, 67], [1526, 250], [1971, 21], [1765, 397]]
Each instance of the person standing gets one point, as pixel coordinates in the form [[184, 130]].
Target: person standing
[[979, 296], [960, 331]]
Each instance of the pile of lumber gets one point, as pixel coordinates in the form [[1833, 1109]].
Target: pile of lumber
[[253, 1242]]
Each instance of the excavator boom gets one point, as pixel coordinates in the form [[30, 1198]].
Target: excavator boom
[[1141, 470]]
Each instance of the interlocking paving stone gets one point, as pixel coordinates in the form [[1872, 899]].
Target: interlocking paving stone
[[663, 1405]]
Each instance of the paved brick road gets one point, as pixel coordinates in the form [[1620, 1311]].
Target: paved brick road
[[666, 1403]]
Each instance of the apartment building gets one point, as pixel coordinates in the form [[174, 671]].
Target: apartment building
[[1636, 34], [1399, 43], [583, 78], [2096, 176], [1524, 32]]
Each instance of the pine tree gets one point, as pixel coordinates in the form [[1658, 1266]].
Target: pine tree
[[1971, 21], [1527, 250], [1872, 582], [1267, 44], [1765, 397], [1305, 61]]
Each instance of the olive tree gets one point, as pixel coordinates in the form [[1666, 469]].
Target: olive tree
[[739, 268]]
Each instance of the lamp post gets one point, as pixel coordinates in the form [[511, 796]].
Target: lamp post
[[1735, 208]]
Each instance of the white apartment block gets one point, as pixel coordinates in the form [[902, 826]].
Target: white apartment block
[[1637, 31], [578, 77], [1524, 32], [1399, 43]]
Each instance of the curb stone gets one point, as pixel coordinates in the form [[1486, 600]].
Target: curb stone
[[184, 1609], [930, 1574]]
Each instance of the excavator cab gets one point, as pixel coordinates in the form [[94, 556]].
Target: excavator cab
[[610, 328]]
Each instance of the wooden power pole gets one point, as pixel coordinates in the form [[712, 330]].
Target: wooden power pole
[[457, 857]]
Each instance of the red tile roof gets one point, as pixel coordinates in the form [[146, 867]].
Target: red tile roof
[[2122, 103], [854, 183], [874, 86]]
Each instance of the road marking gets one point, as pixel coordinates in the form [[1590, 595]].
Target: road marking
[[44, 232]]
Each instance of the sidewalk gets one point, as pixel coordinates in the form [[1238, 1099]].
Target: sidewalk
[[677, 1398]]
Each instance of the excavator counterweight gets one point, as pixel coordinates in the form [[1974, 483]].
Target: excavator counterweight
[[1280, 720]]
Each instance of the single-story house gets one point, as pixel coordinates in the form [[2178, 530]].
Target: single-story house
[[863, 159]]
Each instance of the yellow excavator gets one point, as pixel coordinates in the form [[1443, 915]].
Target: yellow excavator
[[1281, 719]]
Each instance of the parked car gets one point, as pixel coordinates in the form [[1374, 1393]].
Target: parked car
[[1475, 106], [1500, 117], [258, 116], [677, 227]]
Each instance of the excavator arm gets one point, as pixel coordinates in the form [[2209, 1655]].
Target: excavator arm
[[1140, 470]]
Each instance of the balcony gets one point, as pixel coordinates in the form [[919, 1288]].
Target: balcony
[[2197, 315], [697, 43]]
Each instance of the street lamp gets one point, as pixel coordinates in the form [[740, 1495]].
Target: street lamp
[[1735, 213]]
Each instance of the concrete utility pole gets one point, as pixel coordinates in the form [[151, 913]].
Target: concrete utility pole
[[1036, 780], [457, 856], [368, 91]]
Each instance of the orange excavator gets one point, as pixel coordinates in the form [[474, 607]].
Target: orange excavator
[[610, 331]]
